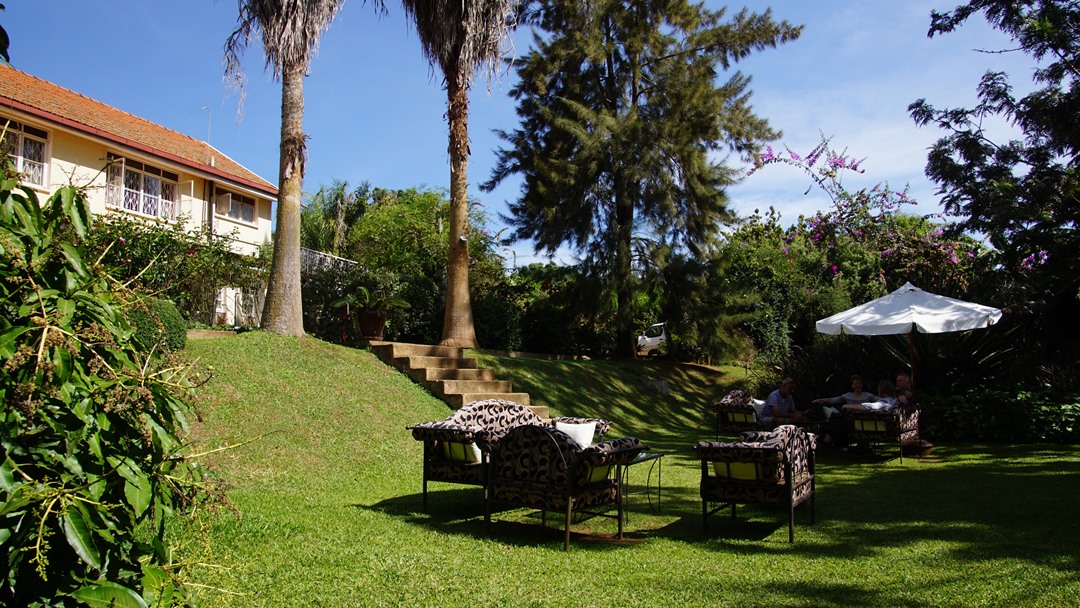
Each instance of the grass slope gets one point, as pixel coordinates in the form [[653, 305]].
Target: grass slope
[[330, 504]]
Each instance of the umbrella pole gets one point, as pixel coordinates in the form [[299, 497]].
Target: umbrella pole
[[911, 356]]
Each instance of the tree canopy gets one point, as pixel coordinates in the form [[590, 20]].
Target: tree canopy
[[1020, 195], [625, 123]]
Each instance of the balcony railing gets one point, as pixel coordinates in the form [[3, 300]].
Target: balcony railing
[[313, 261]]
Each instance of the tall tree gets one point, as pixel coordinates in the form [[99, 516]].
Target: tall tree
[[460, 37], [4, 41], [1022, 195], [329, 213], [290, 32], [623, 117]]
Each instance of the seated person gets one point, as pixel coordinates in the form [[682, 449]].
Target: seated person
[[903, 389], [880, 403], [779, 406], [855, 395]]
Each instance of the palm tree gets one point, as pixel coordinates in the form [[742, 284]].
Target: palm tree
[[460, 36], [330, 213], [290, 31]]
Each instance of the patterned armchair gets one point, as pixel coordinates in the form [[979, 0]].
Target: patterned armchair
[[455, 449], [896, 426], [775, 467], [540, 467], [736, 413]]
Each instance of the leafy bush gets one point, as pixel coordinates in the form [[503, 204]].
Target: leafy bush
[[93, 462], [158, 326], [324, 293], [183, 266], [498, 323], [1004, 415]]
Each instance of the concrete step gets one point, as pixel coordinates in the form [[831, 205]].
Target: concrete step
[[443, 370], [456, 400], [436, 362], [429, 374], [401, 349], [462, 387]]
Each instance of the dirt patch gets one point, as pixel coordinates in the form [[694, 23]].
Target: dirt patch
[[206, 334]]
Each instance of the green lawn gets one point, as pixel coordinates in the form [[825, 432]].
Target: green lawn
[[329, 503]]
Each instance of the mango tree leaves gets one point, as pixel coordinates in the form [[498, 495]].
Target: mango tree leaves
[[90, 427], [109, 595], [79, 536]]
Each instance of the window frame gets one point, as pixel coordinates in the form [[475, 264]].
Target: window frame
[[21, 133], [231, 199], [141, 188]]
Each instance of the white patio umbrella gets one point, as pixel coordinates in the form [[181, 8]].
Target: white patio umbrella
[[907, 310]]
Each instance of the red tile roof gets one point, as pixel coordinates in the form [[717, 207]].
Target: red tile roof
[[53, 103]]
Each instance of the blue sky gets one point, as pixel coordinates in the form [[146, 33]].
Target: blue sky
[[375, 110]]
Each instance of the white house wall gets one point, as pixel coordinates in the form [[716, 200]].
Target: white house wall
[[77, 159]]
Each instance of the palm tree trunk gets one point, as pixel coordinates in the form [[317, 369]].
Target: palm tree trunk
[[458, 329], [283, 311]]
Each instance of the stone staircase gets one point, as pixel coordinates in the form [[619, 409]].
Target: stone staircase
[[449, 375]]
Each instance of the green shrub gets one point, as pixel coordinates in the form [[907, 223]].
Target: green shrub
[[158, 326], [498, 323], [93, 463], [180, 265], [1003, 415]]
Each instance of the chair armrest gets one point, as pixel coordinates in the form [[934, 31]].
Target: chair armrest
[[724, 451], [602, 426], [613, 451], [745, 408], [446, 431]]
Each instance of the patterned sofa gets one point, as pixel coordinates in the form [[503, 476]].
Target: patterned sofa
[[541, 467], [736, 413], [455, 449], [895, 426], [769, 467]]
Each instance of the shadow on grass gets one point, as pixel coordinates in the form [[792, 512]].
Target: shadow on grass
[[974, 504], [461, 512]]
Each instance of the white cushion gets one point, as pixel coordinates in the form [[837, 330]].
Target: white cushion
[[582, 432], [758, 404]]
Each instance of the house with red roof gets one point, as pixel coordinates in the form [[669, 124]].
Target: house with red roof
[[134, 167]]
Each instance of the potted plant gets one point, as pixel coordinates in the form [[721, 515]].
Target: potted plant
[[367, 310]]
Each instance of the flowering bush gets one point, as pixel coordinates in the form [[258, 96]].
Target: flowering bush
[[861, 248], [170, 262]]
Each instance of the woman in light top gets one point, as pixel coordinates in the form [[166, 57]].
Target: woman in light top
[[881, 403], [855, 396]]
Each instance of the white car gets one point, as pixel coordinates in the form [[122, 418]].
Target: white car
[[651, 339]]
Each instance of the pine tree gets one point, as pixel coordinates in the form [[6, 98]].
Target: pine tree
[[624, 115]]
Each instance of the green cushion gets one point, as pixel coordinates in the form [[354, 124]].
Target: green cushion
[[748, 471], [741, 417], [461, 452], [599, 473], [870, 425]]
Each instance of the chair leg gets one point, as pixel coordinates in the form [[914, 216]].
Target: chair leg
[[791, 521], [425, 495], [566, 533], [705, 515], [619, 512], [487, 514]]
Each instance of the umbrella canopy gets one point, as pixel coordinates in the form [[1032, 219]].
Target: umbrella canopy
[[910, 309]]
